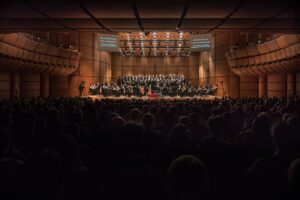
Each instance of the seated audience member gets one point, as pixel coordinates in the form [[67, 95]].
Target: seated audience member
[[267, 174], [178, 141], [220, 156], [10, 168], [151, 138], [294, 180], [188, 179]]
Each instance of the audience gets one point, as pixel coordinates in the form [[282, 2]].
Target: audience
[[61, 148], [188, 179]]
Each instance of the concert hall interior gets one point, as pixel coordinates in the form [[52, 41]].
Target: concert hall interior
[[142, 99]]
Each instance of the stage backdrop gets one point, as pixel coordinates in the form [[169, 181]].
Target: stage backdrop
[[128, 65]]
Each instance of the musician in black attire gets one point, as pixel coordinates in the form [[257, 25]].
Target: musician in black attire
[[162, 85]]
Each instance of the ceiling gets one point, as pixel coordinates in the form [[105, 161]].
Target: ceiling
[[150, 15], [155, 44]]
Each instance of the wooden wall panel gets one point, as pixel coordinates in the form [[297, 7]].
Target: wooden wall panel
[[138, 62], [29, 85], [94, 65], [73, 85], [128, 71], [138, 69], [150, 69], [160, 62], [117, 60], [160, 70], [4, 85], [182, 62], [298, 84], [248, 86], [193, 74], [291, 84], [128, 61], [234, 85], [58, 86], [15, 85], [172, 70], [277, 85], [149, 62], [44, 80], [172, 61], [262, 86], [116, 71]]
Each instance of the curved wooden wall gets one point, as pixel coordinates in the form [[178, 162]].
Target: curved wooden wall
[[274, 63], [281, 55], [20, 54]]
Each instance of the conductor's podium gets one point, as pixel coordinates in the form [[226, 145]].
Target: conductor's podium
[[153, 95]]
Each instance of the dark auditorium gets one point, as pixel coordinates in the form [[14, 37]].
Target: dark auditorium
[[149, 99]]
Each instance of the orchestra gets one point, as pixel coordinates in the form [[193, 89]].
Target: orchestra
[[149, 85]]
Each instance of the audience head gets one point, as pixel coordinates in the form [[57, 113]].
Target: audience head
[[178, 136], [117, 123], [261, 125], [131, 138], [135, 114], [73, 129], [184, 120], [148, 121], [282, 136], [194, 118], [188, 179], [294, 180], [5, 120], [5, 141], [216, 125]]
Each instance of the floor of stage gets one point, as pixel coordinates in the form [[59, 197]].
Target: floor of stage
[[99, 97]]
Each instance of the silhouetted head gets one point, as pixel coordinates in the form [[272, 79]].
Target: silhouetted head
[[184, 120], [75, 117], [44, 177], [188, 179], [25, 125], [135, 114], [294, 180], [5, 141], [178, 136], [194, 118], [73, 129], [282, 136], [148, 121], [286, 116], [68, 148], [131, 137], [216, 125], [5, 120], [117, 123], [261, 125]]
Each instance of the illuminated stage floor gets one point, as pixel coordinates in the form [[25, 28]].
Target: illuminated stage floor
[[99, 97]]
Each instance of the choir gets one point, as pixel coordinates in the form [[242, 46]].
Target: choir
[[149, 85]]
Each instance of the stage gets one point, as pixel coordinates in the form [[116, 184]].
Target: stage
[[100, 97]]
